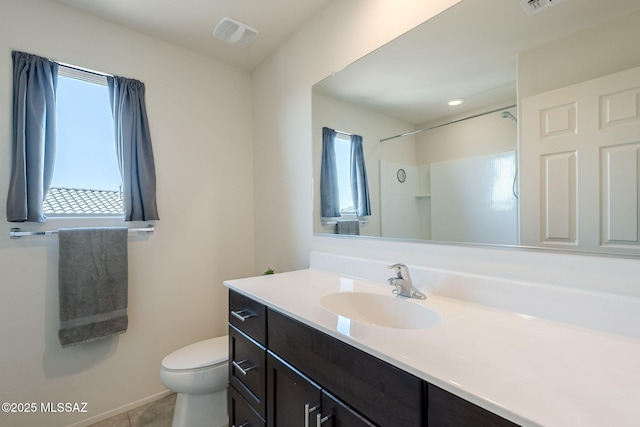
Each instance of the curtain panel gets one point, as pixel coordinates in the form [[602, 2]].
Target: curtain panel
[[329, 196], [359, 184], [134, 149], [34, 136]]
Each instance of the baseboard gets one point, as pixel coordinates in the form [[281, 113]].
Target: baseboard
[[121, 409]]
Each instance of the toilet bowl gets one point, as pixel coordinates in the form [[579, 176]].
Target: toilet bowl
[[199, 374]]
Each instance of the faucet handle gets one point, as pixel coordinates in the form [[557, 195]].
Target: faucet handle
[[398, 268], [402, 271], [392, 281]]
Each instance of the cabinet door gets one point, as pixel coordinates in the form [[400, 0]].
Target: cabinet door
[[292, 399], [241, 414], [337, 414]]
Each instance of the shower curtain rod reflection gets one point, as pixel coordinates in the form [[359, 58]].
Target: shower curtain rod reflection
[[16, 233], [448, 123]]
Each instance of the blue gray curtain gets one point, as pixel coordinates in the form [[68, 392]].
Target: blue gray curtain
[[329, 196], [34, 136], [133, 146], [359, 185]]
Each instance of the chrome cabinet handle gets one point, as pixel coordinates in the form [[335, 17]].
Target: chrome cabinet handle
[[320, 419], [242, 370], [242, 315], [244, 424], [308, 409]]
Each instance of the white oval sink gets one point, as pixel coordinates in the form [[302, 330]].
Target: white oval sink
[[381, 310]]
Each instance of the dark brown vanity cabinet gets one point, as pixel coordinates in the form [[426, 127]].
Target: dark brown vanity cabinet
[[247, 361], [295, 400], [382, 393], [336, 413], [292, 398], [284, 373], [448, 410], [241, 413]]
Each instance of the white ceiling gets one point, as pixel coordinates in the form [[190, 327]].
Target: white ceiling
[[190, 23], [467, 51]]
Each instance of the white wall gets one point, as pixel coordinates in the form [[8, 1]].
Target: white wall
[[480, 136], [342, 33], [200, 114], [583, 56]]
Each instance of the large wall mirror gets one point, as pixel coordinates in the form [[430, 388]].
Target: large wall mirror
[[543, 151]]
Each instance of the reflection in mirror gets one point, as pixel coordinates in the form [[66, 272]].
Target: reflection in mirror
[[465, 179]]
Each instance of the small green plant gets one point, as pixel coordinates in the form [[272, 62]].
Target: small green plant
[[269, 271]]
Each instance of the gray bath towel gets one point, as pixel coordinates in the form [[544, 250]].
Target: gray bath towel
[[92, 284], [348, 227]]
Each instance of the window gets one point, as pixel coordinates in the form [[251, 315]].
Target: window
[[35, 151], [86, 178], [343, 166], [343, 176]]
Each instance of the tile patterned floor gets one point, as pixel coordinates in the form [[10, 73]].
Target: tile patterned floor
[[154, 414]]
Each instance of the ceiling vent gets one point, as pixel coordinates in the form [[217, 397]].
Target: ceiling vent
[[235, 32], [533, 7]]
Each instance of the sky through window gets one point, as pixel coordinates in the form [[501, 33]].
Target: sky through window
[[85, 152]]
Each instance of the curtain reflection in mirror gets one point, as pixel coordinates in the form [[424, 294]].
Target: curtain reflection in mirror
[[344, 191], [329, 195]]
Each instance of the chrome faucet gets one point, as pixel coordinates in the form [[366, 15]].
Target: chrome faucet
[[403, 284]]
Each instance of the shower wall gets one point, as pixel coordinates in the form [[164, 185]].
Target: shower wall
[[473, 200], [405, 206]]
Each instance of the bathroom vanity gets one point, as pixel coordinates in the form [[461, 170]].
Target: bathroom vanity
[[299, 359]]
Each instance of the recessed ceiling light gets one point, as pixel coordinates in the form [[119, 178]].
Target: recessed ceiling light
[[455, 102]]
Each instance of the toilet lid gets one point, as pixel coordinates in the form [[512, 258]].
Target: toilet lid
[[199, 355]]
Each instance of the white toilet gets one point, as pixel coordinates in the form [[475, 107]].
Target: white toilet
[[199, 373]]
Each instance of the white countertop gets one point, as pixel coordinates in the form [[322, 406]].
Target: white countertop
[[528, 370]]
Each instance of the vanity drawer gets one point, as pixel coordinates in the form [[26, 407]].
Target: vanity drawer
[[241, 413], [247, 373], [248, 316], [387, 395]]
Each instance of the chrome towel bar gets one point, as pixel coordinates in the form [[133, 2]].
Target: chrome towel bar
[[16, 233]]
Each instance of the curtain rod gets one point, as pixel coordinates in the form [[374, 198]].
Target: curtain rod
[[449, 123], [343, 133], [16, 233]]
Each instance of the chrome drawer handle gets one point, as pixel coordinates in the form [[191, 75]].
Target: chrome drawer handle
[[242, 370], [243, 315], [308, 409], [244, 424], [320, 420]]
